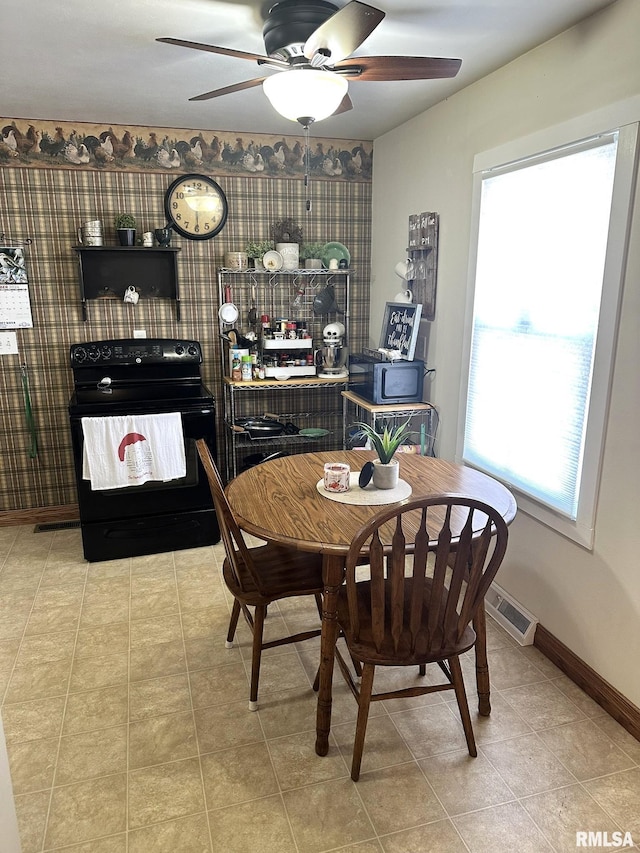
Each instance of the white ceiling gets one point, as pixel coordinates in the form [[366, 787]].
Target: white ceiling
[[79, 60]]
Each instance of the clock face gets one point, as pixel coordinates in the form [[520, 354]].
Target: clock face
[[196, 207]]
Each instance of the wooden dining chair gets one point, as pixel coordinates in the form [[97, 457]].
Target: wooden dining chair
[[258, 576], [416, 609]]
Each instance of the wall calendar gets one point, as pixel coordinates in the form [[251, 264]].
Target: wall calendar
[[15, 305]]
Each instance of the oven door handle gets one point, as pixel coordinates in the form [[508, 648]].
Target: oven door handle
[[166, 529]]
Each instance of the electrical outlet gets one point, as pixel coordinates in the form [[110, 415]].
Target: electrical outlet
[[139, 333]]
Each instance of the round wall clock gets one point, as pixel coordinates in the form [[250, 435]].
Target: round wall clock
[[196, 207]]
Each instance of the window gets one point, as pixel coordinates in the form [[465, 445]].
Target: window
[[551, 236]]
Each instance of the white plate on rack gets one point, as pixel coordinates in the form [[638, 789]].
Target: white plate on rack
[[272, 260], [228, 312]]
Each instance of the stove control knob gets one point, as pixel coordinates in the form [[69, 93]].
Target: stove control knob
[[94, 353], [80, 354], [105, 352], [192, 350], [179, 350]]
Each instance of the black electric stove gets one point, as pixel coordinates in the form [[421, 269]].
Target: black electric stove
[[144, 377]]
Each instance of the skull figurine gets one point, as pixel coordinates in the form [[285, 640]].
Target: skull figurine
[[333, 333]]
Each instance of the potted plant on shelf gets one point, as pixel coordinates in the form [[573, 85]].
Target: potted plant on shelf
[[257, 249], [125, 225], [385, 442], [287, 236], [311, 254]]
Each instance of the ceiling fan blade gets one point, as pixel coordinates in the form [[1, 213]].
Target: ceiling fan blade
[[381, 68], [345, 105], [227, 90], [342, 33], [226, 51]]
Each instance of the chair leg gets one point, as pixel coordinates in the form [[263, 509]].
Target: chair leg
[[364, 701], [258, 628], [422, 669], [357, 666], [233, 623], [463, 707], [482, 663]]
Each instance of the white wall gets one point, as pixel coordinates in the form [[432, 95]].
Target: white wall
[[9, 837], [589, 600]]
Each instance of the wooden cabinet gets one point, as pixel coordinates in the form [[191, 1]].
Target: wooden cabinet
[[107, 272]]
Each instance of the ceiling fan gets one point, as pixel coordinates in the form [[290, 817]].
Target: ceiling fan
[[312, 41]]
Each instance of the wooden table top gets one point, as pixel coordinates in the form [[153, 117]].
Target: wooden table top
[[279, 501]]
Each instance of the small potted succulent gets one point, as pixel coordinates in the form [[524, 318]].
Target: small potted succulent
[[385, 442], [311, 254], [125, 225], [257, 249]]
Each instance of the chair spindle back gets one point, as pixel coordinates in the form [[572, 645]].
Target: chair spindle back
[[422, 602]]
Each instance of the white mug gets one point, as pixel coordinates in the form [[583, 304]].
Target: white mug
[[333, 263], [403, 296], [131, 295], [147, 238], [401, 269]]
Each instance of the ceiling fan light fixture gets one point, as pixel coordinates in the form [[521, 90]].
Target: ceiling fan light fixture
[[305, 92]]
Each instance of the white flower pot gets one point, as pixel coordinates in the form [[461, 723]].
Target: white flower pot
[[290, 255], [386, 475]]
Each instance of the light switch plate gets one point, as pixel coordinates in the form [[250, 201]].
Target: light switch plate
[[139, 333]]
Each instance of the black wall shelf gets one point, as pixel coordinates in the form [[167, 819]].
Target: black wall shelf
[[107, 271]]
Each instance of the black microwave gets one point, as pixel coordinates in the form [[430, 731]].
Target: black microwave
[[382, 382]]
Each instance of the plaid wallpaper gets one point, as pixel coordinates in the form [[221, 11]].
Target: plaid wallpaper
[[47, 205]]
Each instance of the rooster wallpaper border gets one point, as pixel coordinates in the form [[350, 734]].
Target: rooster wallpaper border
[[27, 143]]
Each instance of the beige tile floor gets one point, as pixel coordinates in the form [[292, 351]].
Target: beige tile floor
[[128, 729]]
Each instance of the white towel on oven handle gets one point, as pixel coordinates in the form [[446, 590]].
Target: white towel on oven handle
[[128, 450]]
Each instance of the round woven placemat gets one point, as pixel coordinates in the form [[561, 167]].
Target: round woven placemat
[[367, 496]]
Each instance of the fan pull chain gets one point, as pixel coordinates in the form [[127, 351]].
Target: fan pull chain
[[307, 177]]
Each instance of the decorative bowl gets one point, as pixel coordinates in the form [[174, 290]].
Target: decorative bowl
[[272, 260], [335, 251]]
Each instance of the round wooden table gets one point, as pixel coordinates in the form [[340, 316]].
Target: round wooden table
[[278, 501]]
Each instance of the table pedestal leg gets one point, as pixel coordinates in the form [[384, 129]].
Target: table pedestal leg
[[482, 664], [332, 571]]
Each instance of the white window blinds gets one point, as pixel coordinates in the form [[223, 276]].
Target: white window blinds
[[543, 231]]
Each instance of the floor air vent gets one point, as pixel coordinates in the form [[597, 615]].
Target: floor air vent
[[55, 525], [510, 615]]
